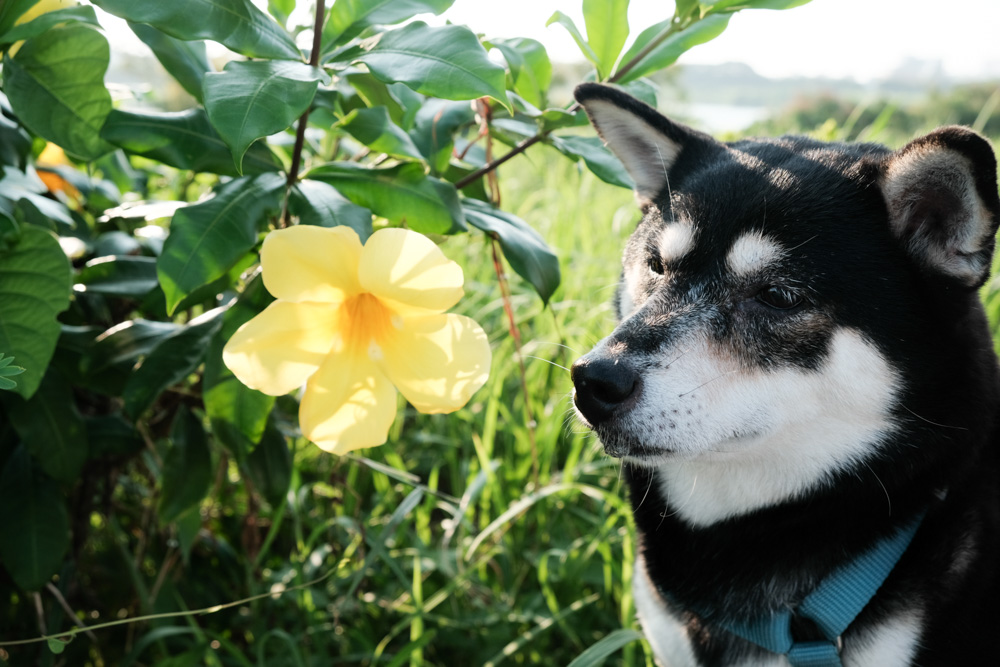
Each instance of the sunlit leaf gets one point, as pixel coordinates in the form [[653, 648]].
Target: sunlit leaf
[[182, 139], [596, 156], [208, 238], [253, 99], [35, 27], [669, 45], [607, 30], [574, 32], [446, 62], [523, 247], [401, 193], [530, 67], [375, 129], [237, 24], [318, 203], [349, 17], [55, 84]]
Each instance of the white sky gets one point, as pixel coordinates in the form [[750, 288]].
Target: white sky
[[863, 39]]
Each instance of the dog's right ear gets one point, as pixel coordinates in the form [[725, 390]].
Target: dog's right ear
[[645, 141]]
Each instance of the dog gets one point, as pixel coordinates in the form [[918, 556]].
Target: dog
[[804, 393]]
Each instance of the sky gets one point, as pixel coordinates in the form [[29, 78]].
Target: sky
[[863, 39], [860, 39]]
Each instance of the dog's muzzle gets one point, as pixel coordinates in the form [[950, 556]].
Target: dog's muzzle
[[605, 386]]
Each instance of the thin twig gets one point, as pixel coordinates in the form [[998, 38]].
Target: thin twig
[[69, 611], [300, 131]]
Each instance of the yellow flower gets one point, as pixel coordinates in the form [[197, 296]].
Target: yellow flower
[[351, 322]]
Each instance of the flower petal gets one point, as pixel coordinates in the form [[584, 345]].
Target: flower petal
[[437, 361], [307, 263], [282, 346], [348, 404], [409, 271]]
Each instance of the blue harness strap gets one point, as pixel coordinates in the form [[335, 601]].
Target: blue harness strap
[[830, 608]]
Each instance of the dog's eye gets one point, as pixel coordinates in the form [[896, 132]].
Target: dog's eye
[[778, 298], [655, 264]]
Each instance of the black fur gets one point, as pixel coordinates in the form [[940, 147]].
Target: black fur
[[852, 268]]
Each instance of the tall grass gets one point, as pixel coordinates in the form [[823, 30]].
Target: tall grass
[[460, 543]]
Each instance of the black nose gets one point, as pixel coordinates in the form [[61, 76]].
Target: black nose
[[602, 384]]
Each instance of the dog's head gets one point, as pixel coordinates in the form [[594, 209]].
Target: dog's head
[[784, 303]]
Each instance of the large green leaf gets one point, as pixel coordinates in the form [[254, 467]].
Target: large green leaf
[[375, 129], [250, 100], [35, 27], [446, 62], [596, 156], [607, 30], [434, 129], [34, 288], [400, 193], [187, 62], [11, 11], [318, 203], [187, 466], [523, 247], [50, 428], [208, 238], [183, 139], [669, 44], [347, 18], [172, 360], [237, 24], [55, 84], [35, 534], [530, 68]]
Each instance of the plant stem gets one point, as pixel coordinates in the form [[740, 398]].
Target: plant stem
[[300, 131]]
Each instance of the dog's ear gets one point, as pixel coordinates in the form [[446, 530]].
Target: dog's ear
[[646, 142], [941, 190]]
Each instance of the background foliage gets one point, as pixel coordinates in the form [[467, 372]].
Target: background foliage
[[139, 478]]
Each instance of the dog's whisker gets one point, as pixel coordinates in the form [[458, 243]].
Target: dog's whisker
[[717, 377], [932, 423]]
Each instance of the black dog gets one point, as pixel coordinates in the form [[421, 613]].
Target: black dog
[[804, 391]]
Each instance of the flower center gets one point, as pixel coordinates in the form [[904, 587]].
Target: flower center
[[364, 324]]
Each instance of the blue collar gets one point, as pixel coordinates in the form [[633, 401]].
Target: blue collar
[[809, 635]]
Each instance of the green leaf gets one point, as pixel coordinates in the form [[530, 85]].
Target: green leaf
[[187, 62], [172, 360], [400, 193], [7, 371], [523, 247], [121, 346], [250, 100], [35, 535], [375, 129], [57, 644], [208, 238], [183, 139], [55, 84], [187, 467], [349, 17], [434, 130], [574, 32], [318, 203], [35, 27], [447, 62], [530, 68], [50, 428], [670, 45], [270, 466], [237, 24], [280, 9], [11, 11], [596, 654], [125, 276], [34, 288], [607, 30], [596, 156]]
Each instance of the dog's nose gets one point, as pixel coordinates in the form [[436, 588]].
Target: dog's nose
[[602, 384]]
